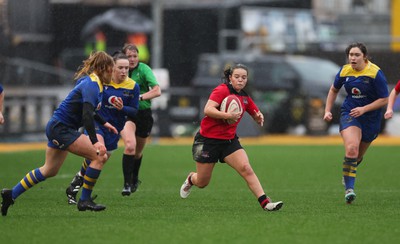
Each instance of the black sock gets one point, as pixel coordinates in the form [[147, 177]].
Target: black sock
[[263, 200], [127, 167], [135, 170]]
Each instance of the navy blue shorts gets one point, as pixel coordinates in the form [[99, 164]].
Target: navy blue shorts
[[207, 150], [110, 139], [59, 135], [370, 127], [144, 122]]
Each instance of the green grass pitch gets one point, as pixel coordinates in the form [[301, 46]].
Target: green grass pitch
[[306, 178]]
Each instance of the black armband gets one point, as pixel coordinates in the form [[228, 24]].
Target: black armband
[[99, 119], [88, 121]]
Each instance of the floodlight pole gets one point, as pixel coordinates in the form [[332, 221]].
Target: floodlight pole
[[157, 35]]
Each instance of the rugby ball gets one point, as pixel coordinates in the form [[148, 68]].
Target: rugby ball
[[231, 103]]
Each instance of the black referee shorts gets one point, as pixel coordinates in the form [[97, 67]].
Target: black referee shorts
[[144, 122]]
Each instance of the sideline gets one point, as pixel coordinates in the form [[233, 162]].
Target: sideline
[[383, 140]]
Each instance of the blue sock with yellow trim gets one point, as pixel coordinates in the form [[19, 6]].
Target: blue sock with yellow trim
[[89, 180], [29, 181], [85, 165], [349, 172]]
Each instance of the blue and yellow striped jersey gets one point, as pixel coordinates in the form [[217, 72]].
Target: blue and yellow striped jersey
[[129, 91], [362, 87], [87, 89]]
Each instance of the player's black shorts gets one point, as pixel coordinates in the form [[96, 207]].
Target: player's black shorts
[[208, 150], [144, 122]]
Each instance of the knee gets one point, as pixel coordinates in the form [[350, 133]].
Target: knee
[[130, 147], [99, 162], [352, 151], [247, 170]]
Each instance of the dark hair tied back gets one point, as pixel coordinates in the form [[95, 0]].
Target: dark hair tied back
[[229, 70]]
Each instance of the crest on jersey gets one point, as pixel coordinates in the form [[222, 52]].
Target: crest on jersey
[[355, 91]]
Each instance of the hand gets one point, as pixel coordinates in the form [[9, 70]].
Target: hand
[[389, 114], [111, 128], [357, 112], [100, 149], [259, 117], [118, 103], [1, 118], [234, 116], [328, 116]]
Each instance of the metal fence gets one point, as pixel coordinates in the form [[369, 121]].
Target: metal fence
[[26, 115], [19, 71]]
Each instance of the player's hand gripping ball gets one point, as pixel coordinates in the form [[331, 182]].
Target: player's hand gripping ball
[[231, 104]]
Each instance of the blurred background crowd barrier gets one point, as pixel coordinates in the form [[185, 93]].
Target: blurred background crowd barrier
[[188, 43]]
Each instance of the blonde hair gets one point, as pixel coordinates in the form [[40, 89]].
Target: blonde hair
[[98, 61]]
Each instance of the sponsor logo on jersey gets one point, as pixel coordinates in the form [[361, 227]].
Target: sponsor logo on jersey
[[111, 99], [356, 93]]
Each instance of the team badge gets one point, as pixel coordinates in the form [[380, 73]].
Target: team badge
[[355, 91]]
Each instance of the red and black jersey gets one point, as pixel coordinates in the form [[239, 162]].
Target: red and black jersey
[[217, 128], [397, 87]]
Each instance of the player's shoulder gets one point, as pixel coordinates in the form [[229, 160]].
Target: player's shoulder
[[128, 83], [91, 81], [371, 70], [221, 89], [144, 66], [346, 70]]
